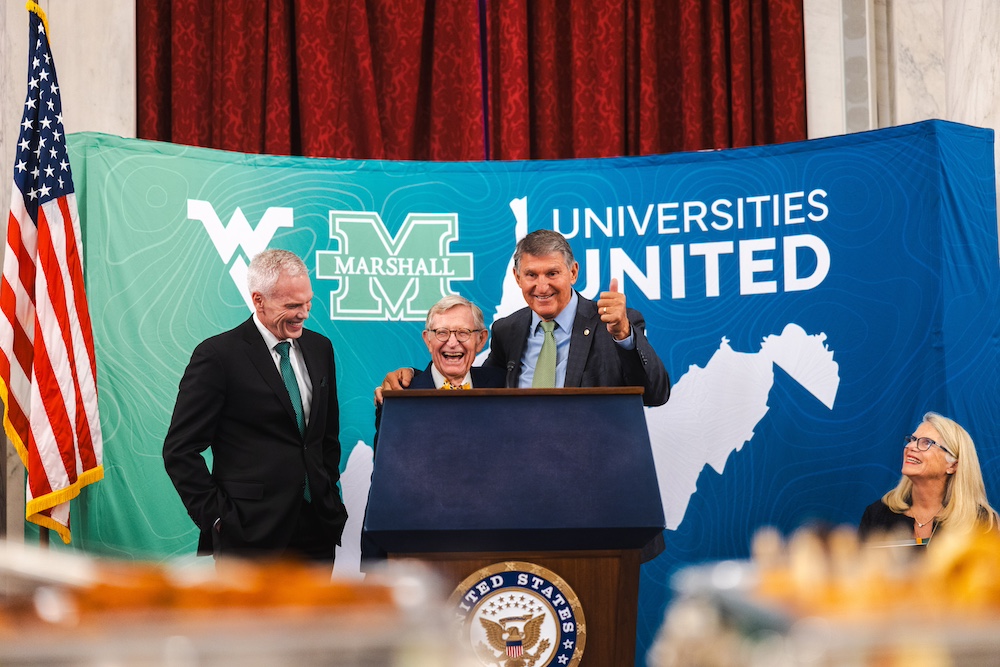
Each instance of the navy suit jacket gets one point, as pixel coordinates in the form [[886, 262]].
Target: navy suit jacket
[[483, 377], [595, 360], [232, 400]]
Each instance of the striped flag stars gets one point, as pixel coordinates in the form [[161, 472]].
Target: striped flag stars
[[42, 169]]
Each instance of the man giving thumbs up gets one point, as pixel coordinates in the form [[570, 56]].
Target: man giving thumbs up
[[598, 344]]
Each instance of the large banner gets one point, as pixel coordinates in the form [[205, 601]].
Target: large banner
[[810, 301]]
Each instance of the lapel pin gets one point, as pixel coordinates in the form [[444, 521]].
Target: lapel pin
[[586, 332]]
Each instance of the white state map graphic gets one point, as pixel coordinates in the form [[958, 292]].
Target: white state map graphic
[[712, 412], [354, 482]]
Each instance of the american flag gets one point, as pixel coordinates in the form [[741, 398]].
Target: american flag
[[48, 374]]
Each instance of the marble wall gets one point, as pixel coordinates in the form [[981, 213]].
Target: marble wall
[[920, 59], [972, 61], [869, 64]]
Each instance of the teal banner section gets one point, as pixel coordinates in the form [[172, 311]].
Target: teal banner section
[[810, 301]]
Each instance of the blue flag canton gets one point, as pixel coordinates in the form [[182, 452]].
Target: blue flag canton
[[41, 167]]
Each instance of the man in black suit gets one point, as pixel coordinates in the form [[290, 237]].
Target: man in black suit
[[263, 398], [597, 344]]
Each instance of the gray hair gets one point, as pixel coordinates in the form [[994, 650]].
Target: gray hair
[[540, 243], [454, 301], [266, 267]]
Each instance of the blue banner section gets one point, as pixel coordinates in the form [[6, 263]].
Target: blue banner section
[[810, 301]]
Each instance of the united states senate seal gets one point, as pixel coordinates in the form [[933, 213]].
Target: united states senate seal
[[517, 614]]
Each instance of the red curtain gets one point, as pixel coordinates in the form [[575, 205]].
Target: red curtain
[[393, 79], [586, 78], [404, 79]]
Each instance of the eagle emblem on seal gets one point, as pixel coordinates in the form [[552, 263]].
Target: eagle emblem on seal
[[519, 614], [511, 641]]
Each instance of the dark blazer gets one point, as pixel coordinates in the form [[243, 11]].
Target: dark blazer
[[483, 377], [595, 360], [879, 519], [232, 400]]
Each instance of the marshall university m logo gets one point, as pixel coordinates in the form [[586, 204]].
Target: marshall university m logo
[[391, 278]]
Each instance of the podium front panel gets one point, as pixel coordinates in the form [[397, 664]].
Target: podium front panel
[[513, 470]]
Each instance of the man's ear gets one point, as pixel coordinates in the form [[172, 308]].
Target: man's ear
[[483, 335]]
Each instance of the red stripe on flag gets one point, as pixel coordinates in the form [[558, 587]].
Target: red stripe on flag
[[74, 318], [16, 251], [64, 437], [15, 414], [75, 267], [21, 347], [24, 254], [51, 381]]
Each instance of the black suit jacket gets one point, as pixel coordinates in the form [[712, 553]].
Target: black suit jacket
[[595, 360], [232, 400]]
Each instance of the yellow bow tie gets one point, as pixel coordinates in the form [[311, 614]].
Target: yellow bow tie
[[449, 385]]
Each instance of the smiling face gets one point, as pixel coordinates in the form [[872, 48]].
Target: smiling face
[[453, 358], [932, 464], [287, 307], [546, 283]]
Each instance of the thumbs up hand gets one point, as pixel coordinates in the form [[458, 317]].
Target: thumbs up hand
[[611, 307]]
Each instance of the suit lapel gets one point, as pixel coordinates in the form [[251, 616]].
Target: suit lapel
[[316, 370], [425, 380], [582, 337], [521, 328], [262, 360]]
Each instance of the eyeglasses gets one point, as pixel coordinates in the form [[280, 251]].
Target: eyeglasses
[[923, 444], [444, 335]]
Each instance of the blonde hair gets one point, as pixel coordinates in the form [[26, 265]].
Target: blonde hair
[[965, 503]]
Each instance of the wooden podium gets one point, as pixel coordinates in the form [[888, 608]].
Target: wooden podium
[[560, 478]]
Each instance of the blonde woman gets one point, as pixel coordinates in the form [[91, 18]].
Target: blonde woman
[[941, 489]]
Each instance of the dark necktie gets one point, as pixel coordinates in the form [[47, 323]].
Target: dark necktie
[[545, 365], [292, 387], [288, 376]]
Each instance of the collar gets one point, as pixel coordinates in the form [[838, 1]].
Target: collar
[[439, 378], [269, 338]]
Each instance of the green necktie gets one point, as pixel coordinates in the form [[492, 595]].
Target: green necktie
[[545, 365], [288, 376], [292, 387]]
